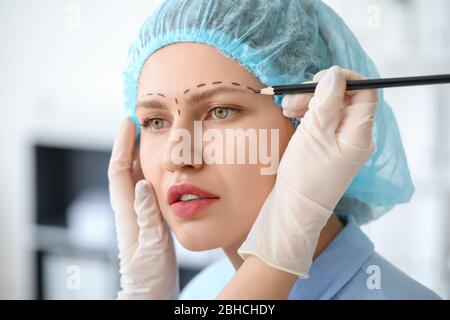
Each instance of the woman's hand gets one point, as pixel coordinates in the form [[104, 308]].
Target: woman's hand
[[331, 144], [148, 265]]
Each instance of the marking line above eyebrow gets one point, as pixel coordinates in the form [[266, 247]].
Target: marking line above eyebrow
[[192, 99]]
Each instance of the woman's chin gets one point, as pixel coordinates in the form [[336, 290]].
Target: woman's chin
[[199, 242], [197, 247]]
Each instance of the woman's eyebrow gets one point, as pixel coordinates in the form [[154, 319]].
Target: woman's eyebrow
[[193, 98]]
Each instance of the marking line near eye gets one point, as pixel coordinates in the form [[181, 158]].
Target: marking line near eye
[[194, 98]]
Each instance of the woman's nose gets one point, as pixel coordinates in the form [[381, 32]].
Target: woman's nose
[[184, 146]]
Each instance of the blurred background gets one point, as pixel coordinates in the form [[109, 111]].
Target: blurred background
[[61, 104]]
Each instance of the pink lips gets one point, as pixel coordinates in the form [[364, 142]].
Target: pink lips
[[185, 209]]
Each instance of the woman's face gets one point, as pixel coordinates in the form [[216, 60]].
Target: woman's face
[[241, 187]]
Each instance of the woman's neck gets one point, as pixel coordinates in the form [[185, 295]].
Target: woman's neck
[[329, 232]]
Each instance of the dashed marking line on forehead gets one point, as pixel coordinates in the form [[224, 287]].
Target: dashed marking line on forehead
[[199, 86]]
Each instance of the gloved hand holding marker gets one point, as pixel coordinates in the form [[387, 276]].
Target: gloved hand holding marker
[[325, 153], [323, 156], [310, 86]]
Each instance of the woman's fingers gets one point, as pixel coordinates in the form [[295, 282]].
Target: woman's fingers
[[363, 95], [358, 116], [121, 185], [149, 218], [349, 114], [120, 164], [296, 103], [355, 131], [358, 96], [136, 170], [319, 75], [328, 99]]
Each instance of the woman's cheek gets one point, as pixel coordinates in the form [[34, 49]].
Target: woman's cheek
[[149, 159]]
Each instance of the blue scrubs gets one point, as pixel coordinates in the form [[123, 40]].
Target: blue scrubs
[[347, 269]]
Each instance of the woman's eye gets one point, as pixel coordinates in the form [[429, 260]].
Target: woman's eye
[[155, 123], [221, 113]]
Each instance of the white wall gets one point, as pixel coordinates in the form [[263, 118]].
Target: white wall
[[60, 82]]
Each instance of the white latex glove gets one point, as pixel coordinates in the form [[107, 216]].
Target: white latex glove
[[148, 264], [331, 144]]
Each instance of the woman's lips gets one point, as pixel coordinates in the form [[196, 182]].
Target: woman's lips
[[186, 209]]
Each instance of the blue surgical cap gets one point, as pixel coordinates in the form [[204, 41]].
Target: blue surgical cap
[[283, 42]]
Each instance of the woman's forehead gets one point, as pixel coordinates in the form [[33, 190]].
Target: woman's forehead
[[191, 66], [211, 90]]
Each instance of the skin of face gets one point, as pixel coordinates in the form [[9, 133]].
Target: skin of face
[[242, 188]]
